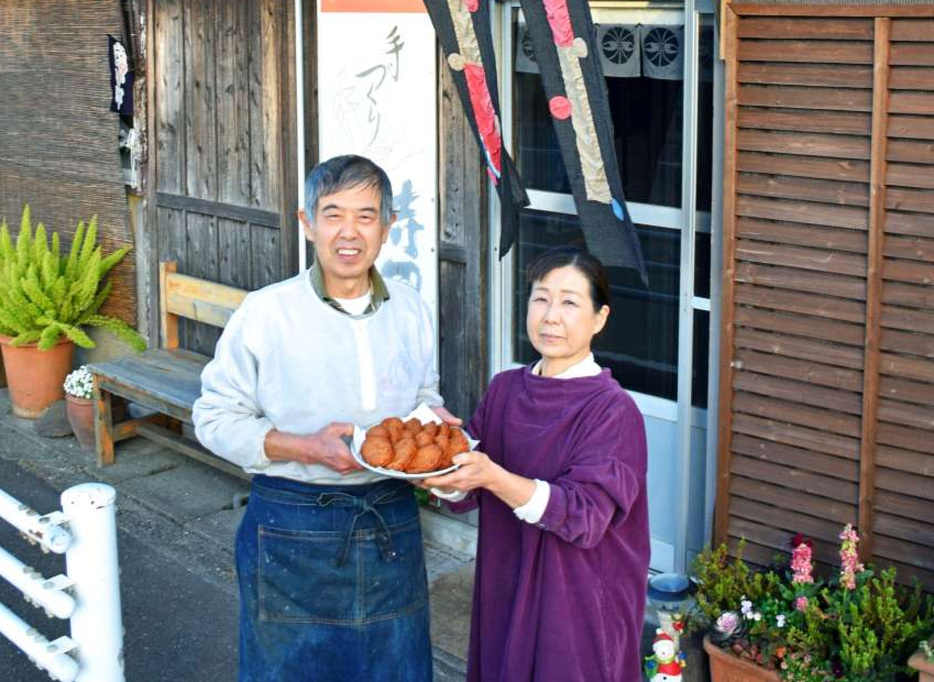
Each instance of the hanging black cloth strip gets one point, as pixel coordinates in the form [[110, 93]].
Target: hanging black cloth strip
[[562, 34], [463, 27]]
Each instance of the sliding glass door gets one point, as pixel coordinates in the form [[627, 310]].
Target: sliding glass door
[[659, 65]]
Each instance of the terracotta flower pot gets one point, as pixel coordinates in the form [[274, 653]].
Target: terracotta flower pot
[[80, 413], [35, 377], [725, 667], [925, 667]]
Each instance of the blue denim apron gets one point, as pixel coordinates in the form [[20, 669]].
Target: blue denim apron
[[332, 584]]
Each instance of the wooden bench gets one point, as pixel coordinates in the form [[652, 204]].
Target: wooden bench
[[165, 380]]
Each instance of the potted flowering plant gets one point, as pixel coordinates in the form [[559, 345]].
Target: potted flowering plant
[[79, 387], [786, 623]]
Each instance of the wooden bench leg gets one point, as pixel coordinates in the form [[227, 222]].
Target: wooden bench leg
[[103, 425]]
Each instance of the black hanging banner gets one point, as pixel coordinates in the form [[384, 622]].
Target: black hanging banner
[[463, 27], [563, 39]]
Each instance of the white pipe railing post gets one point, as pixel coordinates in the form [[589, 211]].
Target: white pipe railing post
[[91, 560], [42, 529], [44, 592], [50, 656]]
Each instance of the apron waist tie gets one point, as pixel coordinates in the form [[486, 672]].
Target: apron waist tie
[[366, 505]]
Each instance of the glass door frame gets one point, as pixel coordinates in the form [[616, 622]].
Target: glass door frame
[[690, 222]]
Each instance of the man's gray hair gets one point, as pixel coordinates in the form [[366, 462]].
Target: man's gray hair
[[346, 172]]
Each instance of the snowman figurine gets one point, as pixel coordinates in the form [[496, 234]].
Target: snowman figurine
[[666, 663]]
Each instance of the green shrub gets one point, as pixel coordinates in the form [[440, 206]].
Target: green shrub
[[44, 295]]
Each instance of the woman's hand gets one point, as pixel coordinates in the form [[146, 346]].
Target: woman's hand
[[476, 470]]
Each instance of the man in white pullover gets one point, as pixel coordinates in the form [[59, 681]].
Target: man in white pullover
[[329, 556]]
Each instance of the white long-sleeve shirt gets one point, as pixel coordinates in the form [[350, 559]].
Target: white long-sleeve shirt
[[289, 361]]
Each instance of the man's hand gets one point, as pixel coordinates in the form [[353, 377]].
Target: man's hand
[[446, 416], [325, 447], [332, 451]]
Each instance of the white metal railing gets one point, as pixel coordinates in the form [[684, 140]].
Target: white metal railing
[[85, 531]]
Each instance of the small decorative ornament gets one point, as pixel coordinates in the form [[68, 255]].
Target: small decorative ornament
[[560, 107], [579, 48], [456, 62], [666, 663]]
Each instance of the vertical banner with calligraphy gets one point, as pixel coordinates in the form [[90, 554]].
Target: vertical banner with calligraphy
[[377, 97]]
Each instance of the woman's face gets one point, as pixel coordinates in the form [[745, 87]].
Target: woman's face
[[561, 321]]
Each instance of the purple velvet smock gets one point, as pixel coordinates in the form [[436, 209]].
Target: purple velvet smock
[[561, 601]]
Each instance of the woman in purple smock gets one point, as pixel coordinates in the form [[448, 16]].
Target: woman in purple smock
[[559, 478]]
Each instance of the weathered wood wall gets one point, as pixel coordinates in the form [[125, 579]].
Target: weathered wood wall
[[224, 193], [223, 169], [827, 381], [58, 138], [462, 238]]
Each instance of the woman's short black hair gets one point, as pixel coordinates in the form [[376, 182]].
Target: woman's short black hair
[[586, 263]]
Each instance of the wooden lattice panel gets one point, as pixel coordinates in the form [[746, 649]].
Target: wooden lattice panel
[[828, 376]]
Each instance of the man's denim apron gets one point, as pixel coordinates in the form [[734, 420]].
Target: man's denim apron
[[332, 584]]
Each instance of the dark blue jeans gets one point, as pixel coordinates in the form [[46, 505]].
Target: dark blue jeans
[[332, 584]]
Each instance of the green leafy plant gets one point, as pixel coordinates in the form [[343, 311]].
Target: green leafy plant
[[857, 626], [44, 295]]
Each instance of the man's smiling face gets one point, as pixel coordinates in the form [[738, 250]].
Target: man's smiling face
[[348, 234]]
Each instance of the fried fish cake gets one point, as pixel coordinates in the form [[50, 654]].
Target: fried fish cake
[[424, 438], [404, 451], [395, 427], [444, 430], [445, 461], [426, 459], [430, 428], [378, 431], [413, 426], [442, 442], [377, 451], [457, 443]]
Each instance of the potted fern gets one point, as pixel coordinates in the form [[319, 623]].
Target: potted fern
[[47, 300]]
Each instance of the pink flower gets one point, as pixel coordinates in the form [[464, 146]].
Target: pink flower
[[801, 564], [801, 603], [849, 557], [728, 623]]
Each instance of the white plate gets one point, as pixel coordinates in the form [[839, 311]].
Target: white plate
[[425, 415]]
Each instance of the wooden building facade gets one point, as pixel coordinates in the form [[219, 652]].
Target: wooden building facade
[[221, 186], [827, 347], [58, 137], [222, 166], [788, 375]]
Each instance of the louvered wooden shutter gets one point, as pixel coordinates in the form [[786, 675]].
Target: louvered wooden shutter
[[827, 382]]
